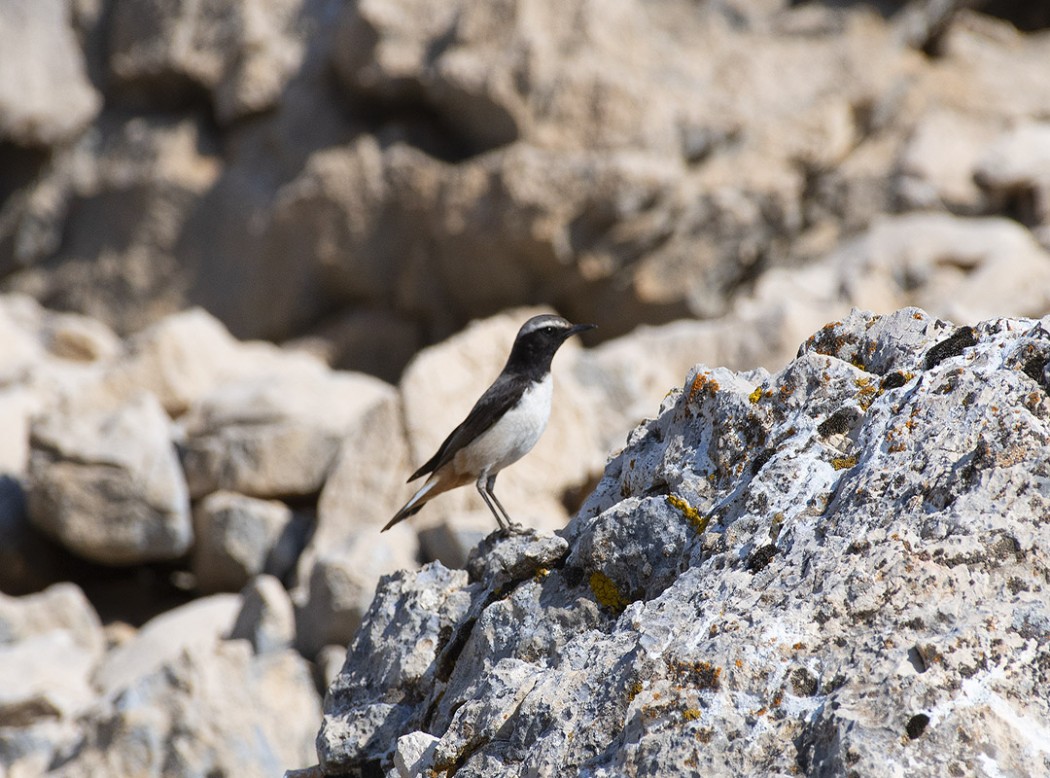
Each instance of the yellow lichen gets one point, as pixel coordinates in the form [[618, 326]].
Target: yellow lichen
[[756, 395], [691, 514], [691, 714], [843, 463], [606, 592], [634, 690]]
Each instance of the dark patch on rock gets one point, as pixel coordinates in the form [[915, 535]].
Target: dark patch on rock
[[951, 346]]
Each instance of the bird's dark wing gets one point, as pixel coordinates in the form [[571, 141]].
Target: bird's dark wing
[[490, 407]]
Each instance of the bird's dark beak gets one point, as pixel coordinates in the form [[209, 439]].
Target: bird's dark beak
[[576, 329]]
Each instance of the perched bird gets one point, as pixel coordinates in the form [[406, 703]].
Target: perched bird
[[503, 425]]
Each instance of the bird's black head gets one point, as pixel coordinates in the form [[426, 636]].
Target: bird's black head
[[537, 341]]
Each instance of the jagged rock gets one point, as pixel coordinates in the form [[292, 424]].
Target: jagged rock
[[835, 567], [45, 96], [267, 617], [274, 436], [236, 538], [209, 710], [342, 581], [105, 482]]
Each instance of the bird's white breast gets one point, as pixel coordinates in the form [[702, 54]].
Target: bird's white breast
[[512, 436]]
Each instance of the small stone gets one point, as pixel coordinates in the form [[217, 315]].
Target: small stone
[[267, 617]]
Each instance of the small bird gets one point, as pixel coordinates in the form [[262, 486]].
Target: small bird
[[503, 425]]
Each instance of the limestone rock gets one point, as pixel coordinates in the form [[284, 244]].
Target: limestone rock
[[835, 567], [202, 622], [60, 608], [45, 96], [209, 710], [267, 618], [105, 482], [367, 482], [274, 437], [188, 355], [242, 53], [342, 581], [236, 537], [46, 676]]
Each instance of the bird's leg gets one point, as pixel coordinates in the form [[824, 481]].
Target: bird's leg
[[504, 528], [512, 526]]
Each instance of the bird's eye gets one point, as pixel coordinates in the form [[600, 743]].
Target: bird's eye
[[549, 330]]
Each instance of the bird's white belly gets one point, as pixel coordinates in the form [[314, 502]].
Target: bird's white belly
[[512, 437]]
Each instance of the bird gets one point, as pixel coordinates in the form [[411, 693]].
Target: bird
[[504, 424]]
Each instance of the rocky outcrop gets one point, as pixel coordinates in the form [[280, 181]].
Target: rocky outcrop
[[837, 568]]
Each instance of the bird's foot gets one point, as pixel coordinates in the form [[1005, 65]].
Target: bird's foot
[[513, 528]]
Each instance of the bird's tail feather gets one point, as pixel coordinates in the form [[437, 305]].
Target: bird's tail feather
[[414, 505]]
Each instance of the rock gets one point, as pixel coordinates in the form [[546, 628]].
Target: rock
[[44, 677], [424, 605], [954, 266], [106, 483], [209, 710], [276, 436], [50, 644], [60, 608], [367, 482], [236, 536], [1015, 170], [329, 662], [835, 566], [267, 618], [45, 96], [186, 356], [243, 54], [415, 754], [451, 540], [938, 164], [341, 584], [109, 219], [162, 639]]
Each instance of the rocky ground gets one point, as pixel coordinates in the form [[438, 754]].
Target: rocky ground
[[837, 569], [189, 518]]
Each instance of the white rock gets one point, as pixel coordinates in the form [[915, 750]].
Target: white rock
[[106, 483], [213, 709], [62, 607], [44, 676], [414, 754], [185, 356], [235, 538], [367, 482], [45, 96], [267, 617], [276, 436], [202, 622]]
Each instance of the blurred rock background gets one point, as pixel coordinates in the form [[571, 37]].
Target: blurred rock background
[[345, 183]]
